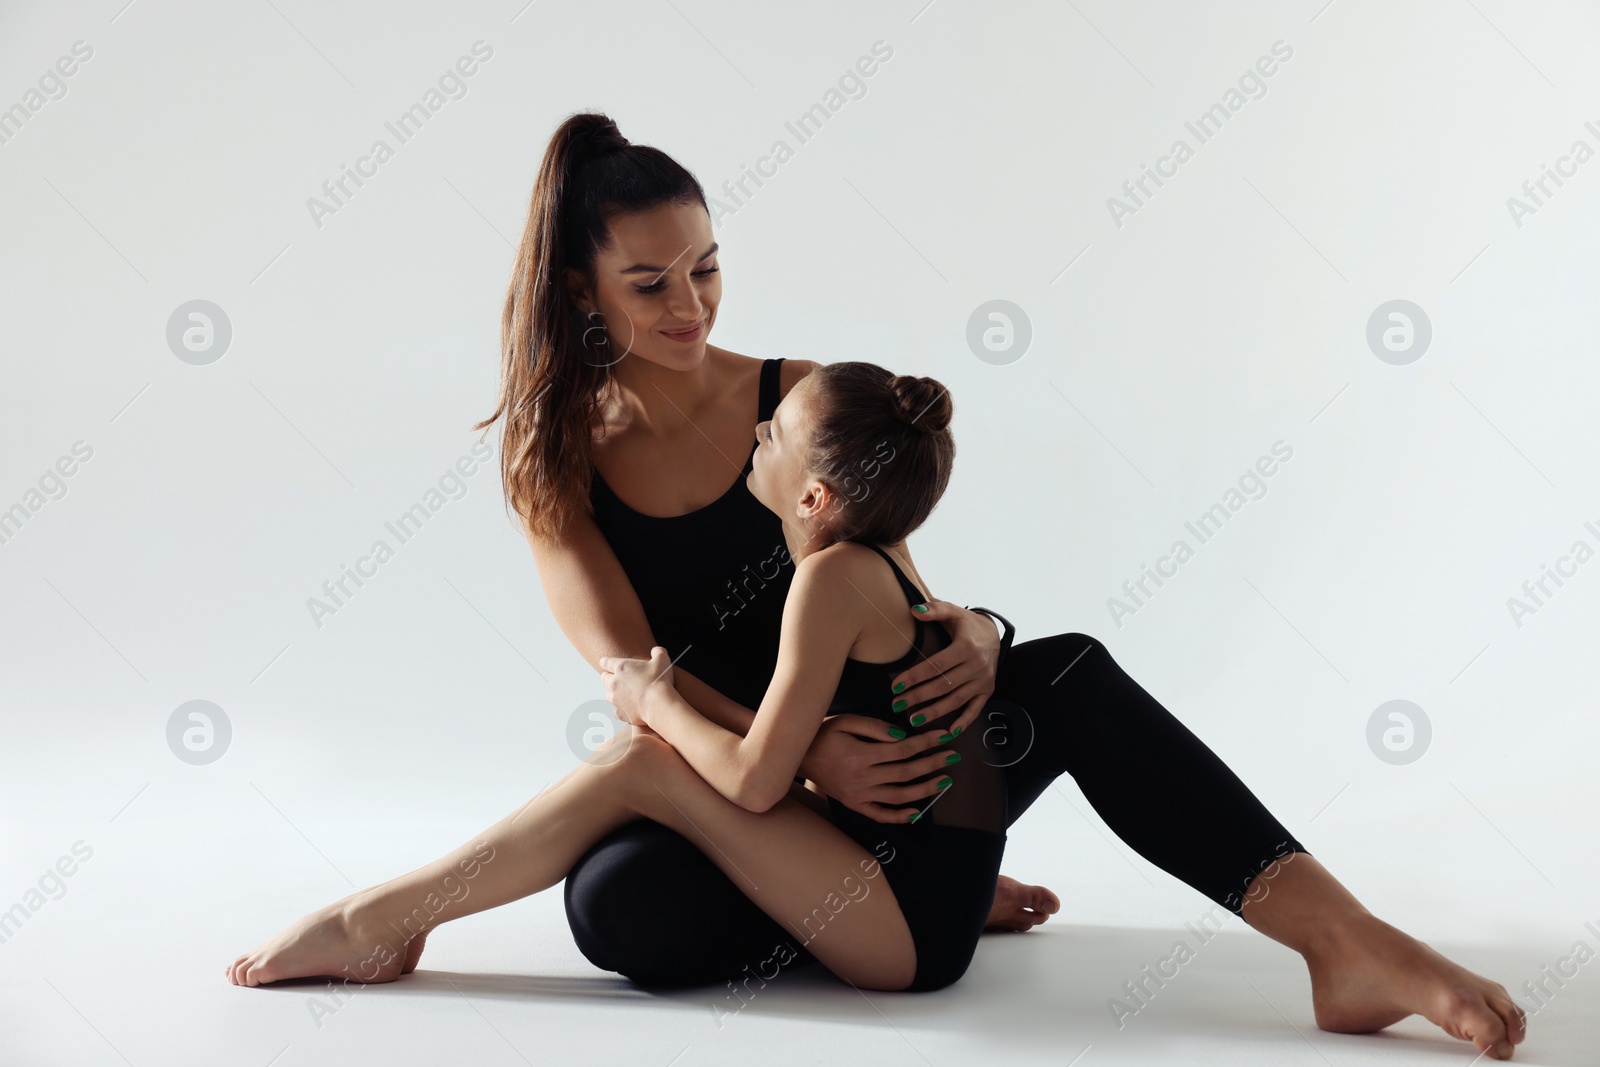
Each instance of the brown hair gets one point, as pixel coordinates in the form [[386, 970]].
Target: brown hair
[[549, 390], [883, 442]]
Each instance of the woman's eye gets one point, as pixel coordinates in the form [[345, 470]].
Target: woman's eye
[[767, 429], [656, 286]]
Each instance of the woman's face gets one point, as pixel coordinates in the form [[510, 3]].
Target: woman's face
[[656, 287]]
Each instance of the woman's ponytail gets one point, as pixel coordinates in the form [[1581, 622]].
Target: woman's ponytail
[[549, 392]]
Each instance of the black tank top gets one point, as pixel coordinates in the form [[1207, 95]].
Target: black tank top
[[712, 581], [863, 686], [977, 803]]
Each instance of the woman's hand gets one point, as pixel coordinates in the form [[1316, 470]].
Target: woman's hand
[[851, 760], [961, 675], [628, 682]]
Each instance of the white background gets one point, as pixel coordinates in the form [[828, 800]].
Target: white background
[[1167, 354]]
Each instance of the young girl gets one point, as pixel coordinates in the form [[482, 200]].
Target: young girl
[[853, 460]]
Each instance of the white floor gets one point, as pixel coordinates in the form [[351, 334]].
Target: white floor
[[124, 965]]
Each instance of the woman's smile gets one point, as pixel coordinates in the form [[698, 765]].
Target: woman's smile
[[691, 334]]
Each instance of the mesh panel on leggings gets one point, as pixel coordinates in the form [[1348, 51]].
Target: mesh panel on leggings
[[976, 797]]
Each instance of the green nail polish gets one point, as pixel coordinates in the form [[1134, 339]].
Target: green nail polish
[[947, 737], [918, 719], [899, 705], [915, 816], [954, 757], [944, 783], [920, 607], [958, 730], [898, 686], [896, 733]]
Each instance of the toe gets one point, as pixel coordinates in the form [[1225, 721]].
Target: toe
[[413, 953], [1513, 1018], [1483, 1025], [1042, 900], [1516, 1019]]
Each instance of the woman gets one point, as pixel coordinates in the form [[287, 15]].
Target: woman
[[663, 432]]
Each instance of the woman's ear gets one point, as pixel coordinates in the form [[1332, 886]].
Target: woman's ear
[[578, 290]]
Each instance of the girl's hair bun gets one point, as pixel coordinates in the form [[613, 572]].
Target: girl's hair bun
[[922, 402]]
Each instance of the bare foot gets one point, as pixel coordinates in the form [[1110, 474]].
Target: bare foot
[[1020, 907], [335, 942], [1367, 975]]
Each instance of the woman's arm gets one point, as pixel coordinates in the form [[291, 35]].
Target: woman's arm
[[597, 609]]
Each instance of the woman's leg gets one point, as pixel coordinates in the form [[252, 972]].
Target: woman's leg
[[1062, 705], [1177, 804], [795, 865]]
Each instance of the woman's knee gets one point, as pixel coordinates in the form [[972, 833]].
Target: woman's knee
[[624, 901], [1049, 658], [648, 904]]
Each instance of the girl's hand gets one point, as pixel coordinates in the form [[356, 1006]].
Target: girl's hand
[[628, 682], [960, 676]]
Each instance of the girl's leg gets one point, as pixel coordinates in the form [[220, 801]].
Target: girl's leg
[[1177, 804], [792, 862]]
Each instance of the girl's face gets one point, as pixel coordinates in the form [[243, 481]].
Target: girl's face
[[779, 476], [656, 288]]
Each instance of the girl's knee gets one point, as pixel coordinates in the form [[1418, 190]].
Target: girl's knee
[[641, 748], [881, 974]]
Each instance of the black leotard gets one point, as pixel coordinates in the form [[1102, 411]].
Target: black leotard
[[647, 903], [943, 866], [712, 581]]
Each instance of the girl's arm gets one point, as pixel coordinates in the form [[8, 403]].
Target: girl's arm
[[755, 771]]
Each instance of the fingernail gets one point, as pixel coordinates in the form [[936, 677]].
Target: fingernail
[[899, 705], [944, 783], [957, 730], [915, 816], [947, 737], [896, 733], [920, 607], [918, 719], [954, 757], [898, 686]]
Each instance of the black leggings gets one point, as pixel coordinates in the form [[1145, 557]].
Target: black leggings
[[647, 903]]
